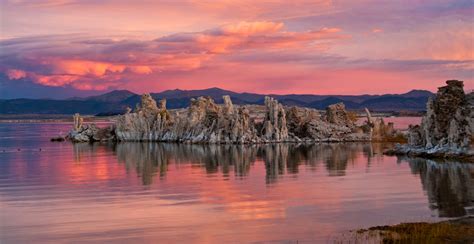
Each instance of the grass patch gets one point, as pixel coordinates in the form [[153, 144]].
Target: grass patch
[[456, 231]]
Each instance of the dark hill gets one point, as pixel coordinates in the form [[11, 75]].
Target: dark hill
[[116, 101]]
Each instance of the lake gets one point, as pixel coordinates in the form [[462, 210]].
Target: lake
[[167, 193]]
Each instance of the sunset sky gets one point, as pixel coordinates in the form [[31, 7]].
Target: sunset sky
[[63, 48]]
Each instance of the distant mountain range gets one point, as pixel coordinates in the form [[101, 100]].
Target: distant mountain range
[[116, 101]]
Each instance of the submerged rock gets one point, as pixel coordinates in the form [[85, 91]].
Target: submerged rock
[[58, 139]]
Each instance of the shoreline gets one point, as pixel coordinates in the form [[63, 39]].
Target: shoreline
[[459, 230]]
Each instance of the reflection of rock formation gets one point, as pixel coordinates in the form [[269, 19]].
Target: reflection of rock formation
[[450, 187], [281, 159], [337, 156], [150, 159], [146, 158], [82, 151]]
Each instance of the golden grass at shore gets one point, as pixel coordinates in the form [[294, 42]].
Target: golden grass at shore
[[451, 231]]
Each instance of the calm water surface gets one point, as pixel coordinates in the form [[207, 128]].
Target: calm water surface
[[401, 123], [167, 193]]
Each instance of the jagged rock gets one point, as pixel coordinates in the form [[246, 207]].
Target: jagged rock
[[297, 121], [275, 121], [162, 104], [447, 119], [445, 130], [91, 133], [337, 114], [145, 122], [207, 122], [203, 122], [228, 106], [78, 121], [378, 130], [470, 100]]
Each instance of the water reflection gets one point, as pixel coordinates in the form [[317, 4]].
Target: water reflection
[[150, 159], [449, 186]]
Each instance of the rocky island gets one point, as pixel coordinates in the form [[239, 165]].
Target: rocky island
[[446, 129], [204, 121]]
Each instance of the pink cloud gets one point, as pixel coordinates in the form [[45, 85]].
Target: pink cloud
[[54, 80], [15, 74], [84, 67], [76, 63]]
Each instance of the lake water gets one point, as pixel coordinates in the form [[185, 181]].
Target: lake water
[[401, 123], [168, 193]]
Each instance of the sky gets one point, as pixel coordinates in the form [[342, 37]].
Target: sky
[[64, 48]]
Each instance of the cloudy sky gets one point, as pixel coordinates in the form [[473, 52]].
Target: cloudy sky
[[62, 48]]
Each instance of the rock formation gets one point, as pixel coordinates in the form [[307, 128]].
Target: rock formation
[[275, 121], [78, 120], [470, 100], [378, 130], [89, 132], [446, 122], [445, 130], [337, 114], [145, 123], [204, 121]]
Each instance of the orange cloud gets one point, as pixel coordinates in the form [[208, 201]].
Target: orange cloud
[[140, 69], [54, 80], [85, 67], [93, 65], [251, 28], [248, 35]]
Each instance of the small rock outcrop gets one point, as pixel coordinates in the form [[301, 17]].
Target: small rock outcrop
[[88, 132], [445, 130], [379, 131]]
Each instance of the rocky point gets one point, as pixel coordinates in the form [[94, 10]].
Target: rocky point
[[446, 129]]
